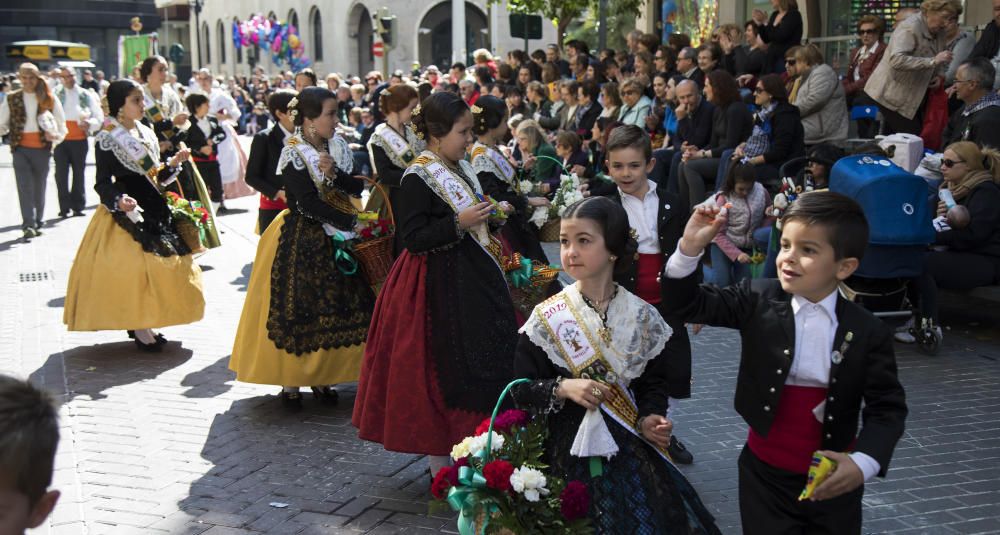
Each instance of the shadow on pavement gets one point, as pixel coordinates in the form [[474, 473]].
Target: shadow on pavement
[[244, 279], [92, 370], [58, 302], [211, 381]]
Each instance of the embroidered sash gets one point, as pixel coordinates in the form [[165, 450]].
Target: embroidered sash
[[136, 151], [498, 164], [155, 114], [458, 194], [397, 148], [577, 345]]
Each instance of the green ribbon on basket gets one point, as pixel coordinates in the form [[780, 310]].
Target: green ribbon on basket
[[345, 263], [521, 277], [464, 498]]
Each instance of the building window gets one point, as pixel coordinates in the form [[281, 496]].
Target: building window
[[206, 39], [221, 30], [293, 18], [317, 35]]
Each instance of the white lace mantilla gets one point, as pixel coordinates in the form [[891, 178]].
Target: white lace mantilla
[[342, 154], [343, 158], [105, 141], [638, 332]]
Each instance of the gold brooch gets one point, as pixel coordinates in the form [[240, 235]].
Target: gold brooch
[[476, 109]]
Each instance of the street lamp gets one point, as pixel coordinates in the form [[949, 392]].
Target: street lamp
[[196, 5]]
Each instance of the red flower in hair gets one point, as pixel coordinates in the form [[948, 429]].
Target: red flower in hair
[[575, 501], [497, 474]]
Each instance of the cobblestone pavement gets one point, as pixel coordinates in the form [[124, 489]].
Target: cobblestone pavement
[[170, 443]]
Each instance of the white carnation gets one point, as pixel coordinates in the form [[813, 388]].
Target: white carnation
[[540, 216], [526, 186], [462, 450], [529, 482], [476, 444]]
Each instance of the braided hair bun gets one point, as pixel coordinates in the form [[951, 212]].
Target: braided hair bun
[[437, 114], [488, 113]]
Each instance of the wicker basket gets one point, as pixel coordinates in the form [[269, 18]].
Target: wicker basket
[[376, 255], [190, 233], [549, 231]]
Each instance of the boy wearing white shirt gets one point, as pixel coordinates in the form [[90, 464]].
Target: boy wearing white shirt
[[82, 108], [809, 360]]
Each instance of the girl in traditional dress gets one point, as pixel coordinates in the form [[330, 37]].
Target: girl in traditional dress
[[308, 306], [596, 355], [393, 145], [132, 270], [442, 338], [163, 110], [499, 177]]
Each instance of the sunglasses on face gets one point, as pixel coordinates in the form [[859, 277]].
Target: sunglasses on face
[[758, 90], [867, 32], [950, 163], [789, 62]]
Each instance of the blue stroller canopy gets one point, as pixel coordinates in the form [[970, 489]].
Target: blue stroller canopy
[[894, 201]]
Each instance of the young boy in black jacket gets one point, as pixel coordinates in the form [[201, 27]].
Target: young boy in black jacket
[[809, 360], [657, 216], [262, 163], [203, 139]]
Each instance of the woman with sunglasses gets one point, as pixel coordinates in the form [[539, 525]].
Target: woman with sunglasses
[[966, 255], [864, 59]]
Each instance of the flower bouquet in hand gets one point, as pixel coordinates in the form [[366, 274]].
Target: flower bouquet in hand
[[191, 218], [499, 485], [567, 194]]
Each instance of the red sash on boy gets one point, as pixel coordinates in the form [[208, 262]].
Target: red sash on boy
[[267, 203], [647, 285], [795, 433]]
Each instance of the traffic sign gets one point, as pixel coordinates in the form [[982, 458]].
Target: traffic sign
[[378, 49]]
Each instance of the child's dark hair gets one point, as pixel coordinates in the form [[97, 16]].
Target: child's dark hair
[[874, 149], [310, 103], [438, 114], [310, 74], [565, 138], [613, 221], [118, 92], [29, 434], [842, 218], [492, 112], [738, 173], [194, 101], [278, 101], [146, 67], [629, 136]]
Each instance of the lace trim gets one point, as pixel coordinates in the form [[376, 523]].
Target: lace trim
[[106, 142], [482, 162], [169, 102], [291, 156], [416, 145], [638, 333], [342, 154]]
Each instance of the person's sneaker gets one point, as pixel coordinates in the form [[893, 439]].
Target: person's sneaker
[[904, 337], [905, 328], [37, 231], [28, 234], [678, 453]]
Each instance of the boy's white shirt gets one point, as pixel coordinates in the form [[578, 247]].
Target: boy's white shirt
[[811, 364], [642, 216]]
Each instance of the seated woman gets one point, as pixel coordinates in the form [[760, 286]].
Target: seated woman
[[777, 133], [965, 256], [618, 396], [569, 147], [820, 98], [732, 124], [539, 160], [636, 104]]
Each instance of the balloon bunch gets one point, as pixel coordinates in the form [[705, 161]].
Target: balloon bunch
[[281, 39]]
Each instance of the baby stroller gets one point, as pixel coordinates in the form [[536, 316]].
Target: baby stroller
[[899, 219]]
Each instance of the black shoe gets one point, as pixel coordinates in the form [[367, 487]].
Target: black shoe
[[131, 334], [78, 213], [291, 400], [63, 214], [28, 234], [148, 348], [160, 339], [678, 453], [326, 395], [37, 230]]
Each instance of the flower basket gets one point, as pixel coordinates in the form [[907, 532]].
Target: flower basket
[[529, 283], [497, 483], [376, 254], [549, 231], [190, 233]]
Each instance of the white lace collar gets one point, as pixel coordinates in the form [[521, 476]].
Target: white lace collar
[[105, 141]]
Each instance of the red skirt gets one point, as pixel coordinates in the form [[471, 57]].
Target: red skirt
[[399, 403]]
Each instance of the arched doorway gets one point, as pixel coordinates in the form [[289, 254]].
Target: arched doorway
[[360, 35], [434, 41]]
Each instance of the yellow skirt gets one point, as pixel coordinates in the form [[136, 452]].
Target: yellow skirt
[[255, 358], [115, 285]]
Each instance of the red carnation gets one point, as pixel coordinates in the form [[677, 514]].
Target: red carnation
[[575, 501], [483, 427], [443, 481], [509, 419], [497, 474]]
